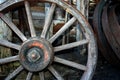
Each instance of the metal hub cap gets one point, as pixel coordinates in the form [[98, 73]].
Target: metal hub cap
[[36, 55]]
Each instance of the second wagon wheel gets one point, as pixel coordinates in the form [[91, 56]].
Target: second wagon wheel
[[40, 55]]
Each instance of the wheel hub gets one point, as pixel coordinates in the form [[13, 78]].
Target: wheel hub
[[36, 54]]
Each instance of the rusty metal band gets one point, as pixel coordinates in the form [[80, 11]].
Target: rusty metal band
[[97, 25], [114, 28], [102, 41], [107, 31]]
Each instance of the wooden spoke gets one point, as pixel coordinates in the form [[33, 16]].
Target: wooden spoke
[[62, 30], [13, 27], [9, 59], [29, 76], [70, 63], [9, 44], [41, 75], [55, 73], [15, 73], [30, 21], [48, 20], [70, 45]]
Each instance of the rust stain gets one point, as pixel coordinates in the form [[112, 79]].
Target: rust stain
[[37, 44], [46, 56], [57, 27]]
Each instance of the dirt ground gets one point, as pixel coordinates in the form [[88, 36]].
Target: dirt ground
[[105, 71]]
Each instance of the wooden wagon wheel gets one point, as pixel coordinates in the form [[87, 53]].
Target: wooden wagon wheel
[[37, 54]]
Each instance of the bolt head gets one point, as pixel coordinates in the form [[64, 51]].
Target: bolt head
[[33, 55]]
